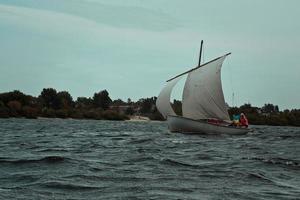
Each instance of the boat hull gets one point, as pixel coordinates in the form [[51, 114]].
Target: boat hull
[[186, 125]]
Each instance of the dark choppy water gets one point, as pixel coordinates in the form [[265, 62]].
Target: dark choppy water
[[72, 159]]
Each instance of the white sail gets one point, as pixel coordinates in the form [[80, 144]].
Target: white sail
[[203, 96], [163, 100]]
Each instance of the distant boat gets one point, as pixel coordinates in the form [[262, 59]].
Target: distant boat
[[203, 105]]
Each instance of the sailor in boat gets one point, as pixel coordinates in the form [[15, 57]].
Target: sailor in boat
[[240, 120], [236, 120], [243, 121]]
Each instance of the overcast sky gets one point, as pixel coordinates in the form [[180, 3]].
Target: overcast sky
[[130, 47]]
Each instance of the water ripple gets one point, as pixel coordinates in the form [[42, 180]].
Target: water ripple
[[88, 159]]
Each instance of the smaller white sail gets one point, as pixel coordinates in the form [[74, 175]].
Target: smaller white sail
[[163, 100]]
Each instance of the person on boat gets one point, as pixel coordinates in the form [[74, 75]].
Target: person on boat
[[235, 120], [243, 120]]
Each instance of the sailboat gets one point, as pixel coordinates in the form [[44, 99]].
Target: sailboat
[[204, 110]]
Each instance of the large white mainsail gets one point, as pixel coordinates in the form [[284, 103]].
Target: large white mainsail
[[163, 100], [203, 96]]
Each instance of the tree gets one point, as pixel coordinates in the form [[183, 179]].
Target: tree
[[118, 102], [14, 105], [147, 105], [247, 108], [4, 112], [15, 96], [65, 100], [129, 110], [49, 98], [1, 104], [30, 112], [270, 108], [102, 100], [84, 102]]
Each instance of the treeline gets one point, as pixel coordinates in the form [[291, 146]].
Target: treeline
[[53, 104]]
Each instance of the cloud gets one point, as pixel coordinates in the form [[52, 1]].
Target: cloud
[[75, 28], [135, 17]]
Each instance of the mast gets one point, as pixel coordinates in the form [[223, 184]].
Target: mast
[[200, 53]]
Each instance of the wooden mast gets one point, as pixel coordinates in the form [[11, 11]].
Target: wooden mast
[[200, 53]]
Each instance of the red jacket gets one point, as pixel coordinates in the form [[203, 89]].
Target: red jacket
[[244, 121]]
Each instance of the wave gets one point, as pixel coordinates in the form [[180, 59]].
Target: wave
[[47, 159], [172, 162], [259, 176], [53, 150], [173, 189], [202, 156], [278, 161], [41, 130], [103, 178], [140, 141], [69, 186], [289, 136], [139, 159]]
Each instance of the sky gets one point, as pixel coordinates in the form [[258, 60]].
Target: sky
[[131, 47]]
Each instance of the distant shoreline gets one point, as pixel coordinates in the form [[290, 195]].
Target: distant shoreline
[[134, 118], [60, 104]]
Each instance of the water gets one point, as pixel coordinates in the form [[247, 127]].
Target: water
[[73, 159]]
